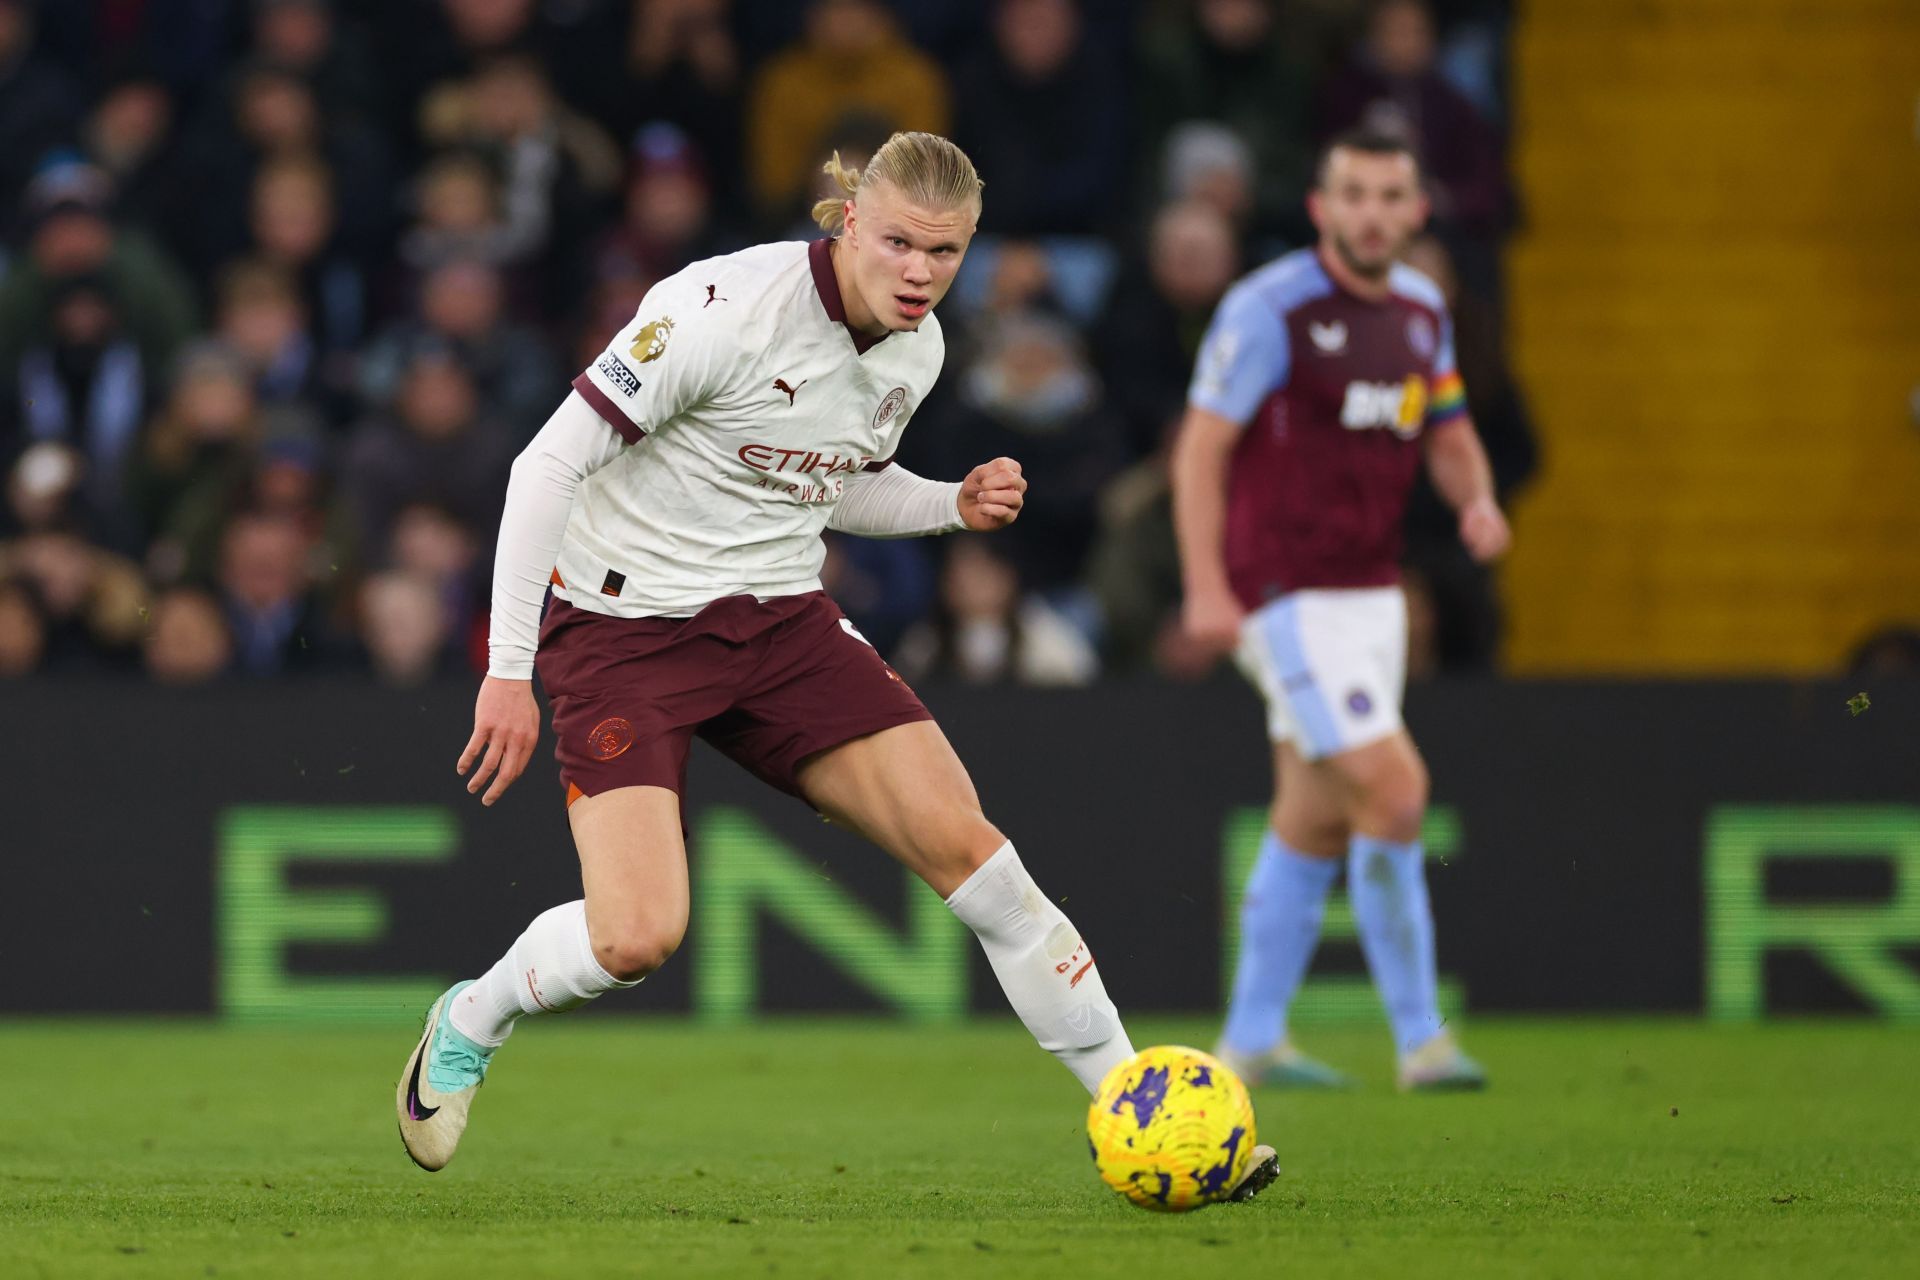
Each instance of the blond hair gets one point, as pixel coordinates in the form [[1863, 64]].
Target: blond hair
[[924, 167]]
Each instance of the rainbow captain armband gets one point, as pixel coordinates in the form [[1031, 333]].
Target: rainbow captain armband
[[1447, 401]]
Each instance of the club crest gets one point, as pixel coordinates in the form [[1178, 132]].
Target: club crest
[[888, 407], [610, 738], [1420, 336]]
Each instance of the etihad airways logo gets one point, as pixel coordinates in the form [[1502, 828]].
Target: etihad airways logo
[[765, 457], [1399, 406], [805, 475]]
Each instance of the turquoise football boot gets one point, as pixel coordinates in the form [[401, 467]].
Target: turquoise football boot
[[1282, 1067]]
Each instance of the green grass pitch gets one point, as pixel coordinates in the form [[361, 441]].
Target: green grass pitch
[[654, 1147]]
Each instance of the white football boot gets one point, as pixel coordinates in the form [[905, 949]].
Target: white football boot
[[1263, 1166], [1440, 1066], [437, 1086]]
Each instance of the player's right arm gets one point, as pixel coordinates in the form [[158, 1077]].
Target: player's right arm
[[1201, 453], [575, 442], [1242, 359], [653, 370]]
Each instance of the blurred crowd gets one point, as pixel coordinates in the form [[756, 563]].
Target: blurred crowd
[[289, 283]]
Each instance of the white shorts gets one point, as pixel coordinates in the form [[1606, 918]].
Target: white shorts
[[1332, 665]]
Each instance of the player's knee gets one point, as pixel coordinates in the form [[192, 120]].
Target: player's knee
[[1317, 835], [1419, 790], [1397, 807], [633, 949], [960, 846]]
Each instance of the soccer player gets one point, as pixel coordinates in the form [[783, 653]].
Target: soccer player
[[675, 503], [1325, 379]]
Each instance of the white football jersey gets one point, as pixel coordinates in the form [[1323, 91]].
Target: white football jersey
[[746, 405]]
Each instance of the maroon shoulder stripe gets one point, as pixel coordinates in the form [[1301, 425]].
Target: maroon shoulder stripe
[[607, 409], [878, 464], [820, 261]]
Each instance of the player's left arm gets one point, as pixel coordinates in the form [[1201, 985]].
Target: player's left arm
[[992, 494], [1456, 459], [1458, 464], [890, 501], [895, 503]]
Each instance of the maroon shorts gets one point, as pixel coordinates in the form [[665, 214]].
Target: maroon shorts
[[768, 684]]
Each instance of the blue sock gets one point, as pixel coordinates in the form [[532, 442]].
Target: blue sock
[[1279, 927], [1387, 885]]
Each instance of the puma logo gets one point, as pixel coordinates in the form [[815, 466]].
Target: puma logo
[[780, 384], [711, 299]]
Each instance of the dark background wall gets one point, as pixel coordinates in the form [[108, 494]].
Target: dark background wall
[[1583, 813]]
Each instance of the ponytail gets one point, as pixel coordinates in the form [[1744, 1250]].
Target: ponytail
[[831, 213], [924, 167]]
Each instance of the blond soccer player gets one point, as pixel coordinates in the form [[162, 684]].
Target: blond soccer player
[[675, 503]]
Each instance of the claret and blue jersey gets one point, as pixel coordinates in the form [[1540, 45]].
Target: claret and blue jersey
[[1333, 392]]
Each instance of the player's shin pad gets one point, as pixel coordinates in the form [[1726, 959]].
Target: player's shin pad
[[1043, 965]]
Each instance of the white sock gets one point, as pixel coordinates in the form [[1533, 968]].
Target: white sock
[[548, 969], [1046, 970]]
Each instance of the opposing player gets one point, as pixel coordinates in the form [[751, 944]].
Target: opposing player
[[1325, 379], [675, 503]]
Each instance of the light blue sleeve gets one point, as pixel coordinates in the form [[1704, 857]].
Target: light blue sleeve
[[1244, 356], [1444, 362]]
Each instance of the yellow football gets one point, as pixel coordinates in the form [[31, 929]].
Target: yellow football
[[1171, 1129]]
